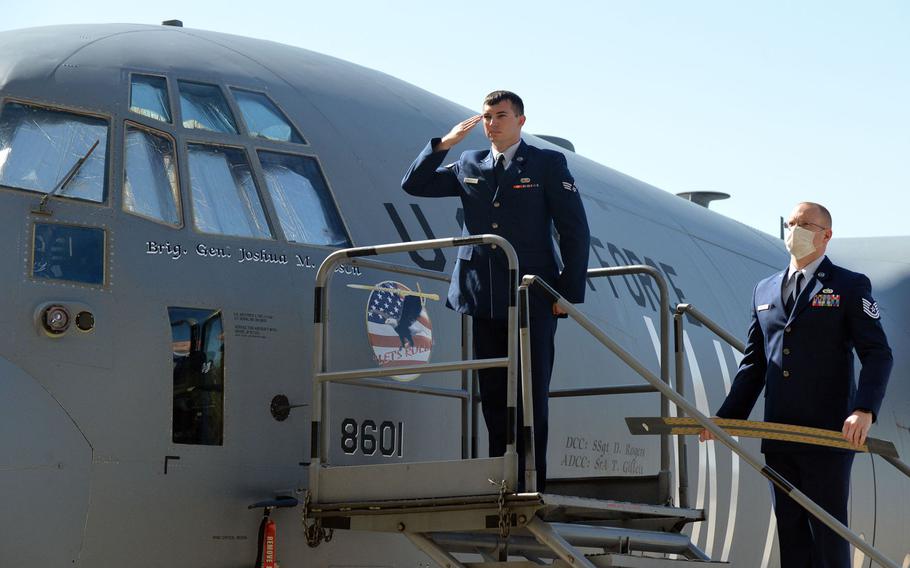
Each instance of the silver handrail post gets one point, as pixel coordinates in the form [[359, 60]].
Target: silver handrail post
[[681, 454], [527, 392], [678, 324], [319, 432], [319, 435], [709, 323], [664, 338], [467, 432], [719, 433], [510, 463]]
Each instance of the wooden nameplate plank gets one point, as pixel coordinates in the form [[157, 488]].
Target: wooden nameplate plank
[[684, 426]]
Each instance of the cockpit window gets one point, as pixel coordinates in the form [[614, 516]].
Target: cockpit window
[[39, 147], [263, 119], [197, 346], [204, 107], [150, 182], [148, 97], [302, 200], [225, 200]]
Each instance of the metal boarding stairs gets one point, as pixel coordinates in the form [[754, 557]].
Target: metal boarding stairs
[[469, 505]]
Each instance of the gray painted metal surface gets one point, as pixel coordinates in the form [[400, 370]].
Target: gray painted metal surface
[[89, 471]]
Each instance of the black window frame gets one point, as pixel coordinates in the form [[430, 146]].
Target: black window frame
[[108, 158], [246, 129], [331, 192], [264, 199], [180, 213], [228, 100], [170, 98]]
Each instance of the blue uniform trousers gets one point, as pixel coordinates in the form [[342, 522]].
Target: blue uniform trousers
[[804, 541], [491, 341]]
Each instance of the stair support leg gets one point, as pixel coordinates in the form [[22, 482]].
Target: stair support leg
[[545, 534], [431, 549]]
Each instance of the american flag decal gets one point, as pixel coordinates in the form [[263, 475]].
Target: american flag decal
[[399, 327]]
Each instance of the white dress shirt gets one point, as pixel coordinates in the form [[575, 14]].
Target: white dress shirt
[[808, 272], [509, 153]]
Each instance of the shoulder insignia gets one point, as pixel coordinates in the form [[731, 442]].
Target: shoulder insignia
[[871, 309]]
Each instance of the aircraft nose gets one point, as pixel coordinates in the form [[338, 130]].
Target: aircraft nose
[[45, 467]]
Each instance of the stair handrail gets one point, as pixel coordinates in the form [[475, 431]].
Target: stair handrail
[[664, 310], [719, 433], [741, 347], [319, 442]]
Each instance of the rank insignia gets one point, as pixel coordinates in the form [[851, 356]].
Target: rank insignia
[[569, 186], [826, 300], [871, 309]]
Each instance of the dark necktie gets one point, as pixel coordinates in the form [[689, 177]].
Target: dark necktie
[[791, 301], [500, 170]]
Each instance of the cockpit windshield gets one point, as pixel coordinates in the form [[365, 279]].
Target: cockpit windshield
[[148, 97], [150, 187], [225, 200], [302, 200], [39, 146], [204, 107], [263, 119]]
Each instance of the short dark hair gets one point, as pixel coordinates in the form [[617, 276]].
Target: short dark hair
[[497, 97], [826, 215]]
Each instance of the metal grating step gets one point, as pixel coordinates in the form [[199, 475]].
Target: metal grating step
[[567, 508], [601, 540], [604, 561], [652, 489], [478, 513]]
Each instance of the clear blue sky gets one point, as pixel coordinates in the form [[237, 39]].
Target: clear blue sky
[[772, 101]]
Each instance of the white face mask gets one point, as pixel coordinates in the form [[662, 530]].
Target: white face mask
[[799, 242]]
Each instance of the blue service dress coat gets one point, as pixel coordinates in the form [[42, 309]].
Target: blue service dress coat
[[804, 362], [536, 193]]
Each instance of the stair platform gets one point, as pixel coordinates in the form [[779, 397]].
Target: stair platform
[[604, 561], [481, 513]]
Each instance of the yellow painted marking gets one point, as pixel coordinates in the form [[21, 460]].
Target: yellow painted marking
[[684, 426], [426, 295]]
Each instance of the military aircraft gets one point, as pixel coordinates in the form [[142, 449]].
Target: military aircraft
[[166, 196]]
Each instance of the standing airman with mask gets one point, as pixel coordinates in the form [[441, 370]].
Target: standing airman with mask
[[807, 321]]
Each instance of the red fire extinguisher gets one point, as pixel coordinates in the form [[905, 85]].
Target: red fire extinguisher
[[268, 543]]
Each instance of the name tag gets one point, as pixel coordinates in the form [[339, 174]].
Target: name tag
[[472, 181], [762, 307]]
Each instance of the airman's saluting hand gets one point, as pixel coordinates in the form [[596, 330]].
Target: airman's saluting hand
[[458, 132]]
